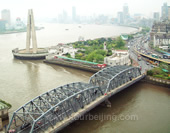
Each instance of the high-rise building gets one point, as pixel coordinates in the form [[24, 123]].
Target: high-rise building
[[120, 17], [156, 16], [125, 13], [164, 11], [63, 18], [5, 15], [74, 14], [160, 34], [2, 25], [169, 13]]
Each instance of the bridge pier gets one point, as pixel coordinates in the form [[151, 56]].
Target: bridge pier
[[106, 103]]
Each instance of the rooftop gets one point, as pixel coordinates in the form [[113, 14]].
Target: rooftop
[[118, 55]]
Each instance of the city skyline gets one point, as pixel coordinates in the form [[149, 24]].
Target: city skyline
[[46, 9]]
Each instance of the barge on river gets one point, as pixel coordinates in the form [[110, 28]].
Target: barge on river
[[74, 63]]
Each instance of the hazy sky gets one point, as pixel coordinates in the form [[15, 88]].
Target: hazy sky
[[51, 8]]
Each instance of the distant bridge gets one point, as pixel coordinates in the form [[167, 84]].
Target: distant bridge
[[57, 108]]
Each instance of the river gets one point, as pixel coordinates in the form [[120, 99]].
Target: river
[[20, 81]]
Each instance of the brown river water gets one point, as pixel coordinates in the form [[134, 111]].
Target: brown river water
[[141, 108]]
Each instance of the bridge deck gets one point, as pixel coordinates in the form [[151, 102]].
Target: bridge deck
[[81, 112]]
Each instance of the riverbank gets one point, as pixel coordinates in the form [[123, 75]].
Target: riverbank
[[156, 81], [11, 32], [139, 29], [18, 31]]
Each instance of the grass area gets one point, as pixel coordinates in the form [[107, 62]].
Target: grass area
[[159, 72], [5, 104]]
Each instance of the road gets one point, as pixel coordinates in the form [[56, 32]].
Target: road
[[143, 64], [143, 47]]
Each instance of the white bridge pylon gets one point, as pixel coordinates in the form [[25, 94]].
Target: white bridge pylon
[[31, 35]]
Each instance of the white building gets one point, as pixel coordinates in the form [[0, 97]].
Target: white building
[[19, 24], [120, 57], [5, 15], [162, 40], [156, 16], [70, 50], [63, 49]]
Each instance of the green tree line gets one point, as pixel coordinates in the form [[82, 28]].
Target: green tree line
[[93, 50]]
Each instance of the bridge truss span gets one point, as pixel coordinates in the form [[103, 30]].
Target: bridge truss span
[[112, 77], [55, 109], [52, 107]]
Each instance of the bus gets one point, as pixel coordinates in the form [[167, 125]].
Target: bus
[[139, 57], [166, 56], [155, 56]]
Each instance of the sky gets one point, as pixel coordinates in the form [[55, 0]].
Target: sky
[[51, 8]]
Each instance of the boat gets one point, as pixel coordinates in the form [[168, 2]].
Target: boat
[[74, 63]]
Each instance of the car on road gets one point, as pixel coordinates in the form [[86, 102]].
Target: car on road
[[147, 63], [153, 66]]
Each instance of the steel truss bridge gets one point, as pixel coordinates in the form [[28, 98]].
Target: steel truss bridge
[[57, 108]]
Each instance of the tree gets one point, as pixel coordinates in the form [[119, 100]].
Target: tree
[[88, 50], [150, 73], [68, 55], [90, 57], [101, 52], [99, 58], [119, 42], [95, 42], [79, 55], [109, 46], [89, 42], [109, 40], [101, 40], [83, 58], [156, 71], [130, 37], [109, 53]]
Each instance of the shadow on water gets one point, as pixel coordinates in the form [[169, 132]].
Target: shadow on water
[[57, 68], [69, 70], [119, 103], [32, 72]]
